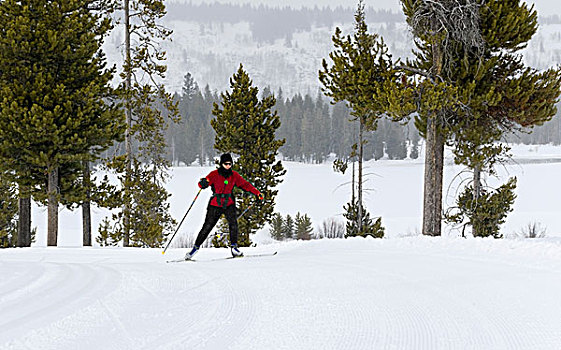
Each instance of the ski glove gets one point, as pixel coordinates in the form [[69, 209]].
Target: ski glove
[[260, 196], [203, 183]]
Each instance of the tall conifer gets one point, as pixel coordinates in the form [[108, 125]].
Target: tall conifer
[[502, 95], [362, 74], [245, 126], [55, 108], [146, 106]]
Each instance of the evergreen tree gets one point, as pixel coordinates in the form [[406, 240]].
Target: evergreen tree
[[277, 227], [146, 106], [322, 135], [55, 108], [396, 146], [493, 93], [439, 28], [206, 136], [486, 213], [288, 228], [184, 141], [502, 94], [362, 74], [8, 213], [367, 227], [378, 146], [291, 129], [344, 133], [303, 227], [414, 153], [246, 126]]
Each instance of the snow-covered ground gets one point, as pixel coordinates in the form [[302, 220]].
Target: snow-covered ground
[[394, 191], [406, 293], [402, 292]]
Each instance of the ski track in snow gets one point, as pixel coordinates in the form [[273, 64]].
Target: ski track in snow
[[339, 294]]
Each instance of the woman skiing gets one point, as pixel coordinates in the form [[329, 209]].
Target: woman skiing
[[222, 182]]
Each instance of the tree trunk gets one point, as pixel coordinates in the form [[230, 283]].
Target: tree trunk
[[476, 196], [128, 136], [477, 182], [24, 222], [434, 165], [353, 197], [52, 211], [360, 154], [202, 155], [434, 155], [86, 212]]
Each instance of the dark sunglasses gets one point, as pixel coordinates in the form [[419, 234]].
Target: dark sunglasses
[[227, 163]]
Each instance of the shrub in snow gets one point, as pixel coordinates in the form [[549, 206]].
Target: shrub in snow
[[533, 230], [369, 228], [485, 214], [277, 226], [331, 228], [304, 228], [299, 228]]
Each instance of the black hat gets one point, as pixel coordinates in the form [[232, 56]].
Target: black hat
[[226, 157]]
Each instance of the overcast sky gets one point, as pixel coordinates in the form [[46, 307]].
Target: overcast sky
[[544, 7]]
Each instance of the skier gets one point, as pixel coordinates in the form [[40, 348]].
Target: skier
[[222, 182]]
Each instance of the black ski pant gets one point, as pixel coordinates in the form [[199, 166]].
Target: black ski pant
[[213, 214]]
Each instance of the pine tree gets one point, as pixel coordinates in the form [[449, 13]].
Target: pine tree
[[277, 226], [55, 98], [185, 137], [414, 153], [147, 106], [303, 229], [439, 28], [288, 228], [474, 58], [486, 213], [362, 75], [502, 95], [246, 126], [396, 146], [367, 227], [8, 213]]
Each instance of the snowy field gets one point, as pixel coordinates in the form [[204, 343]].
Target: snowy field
[[394, 191], [402, 292], [407, 293]]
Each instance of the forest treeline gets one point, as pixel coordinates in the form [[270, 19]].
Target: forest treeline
[[313, 129]]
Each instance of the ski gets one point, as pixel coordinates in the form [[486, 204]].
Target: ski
[[245, 256], [226, 258], [177, 260]]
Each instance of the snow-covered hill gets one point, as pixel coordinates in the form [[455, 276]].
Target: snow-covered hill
[[212, 50], [406, 293]]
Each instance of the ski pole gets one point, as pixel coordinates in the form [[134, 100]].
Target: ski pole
[[245, 211], [184, 216]]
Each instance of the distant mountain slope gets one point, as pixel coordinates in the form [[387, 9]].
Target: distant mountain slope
[[283, 47]]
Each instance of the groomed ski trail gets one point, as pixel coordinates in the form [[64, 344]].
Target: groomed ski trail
[[337, 294]]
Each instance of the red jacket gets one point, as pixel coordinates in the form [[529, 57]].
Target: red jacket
[[221, 185]]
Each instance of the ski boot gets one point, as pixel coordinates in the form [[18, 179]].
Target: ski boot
[[192, 253], [236, 253]]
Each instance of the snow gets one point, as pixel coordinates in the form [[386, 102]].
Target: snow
[[394, 191], [542, 6], [213, 51], [406, 293], [402, 292]]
